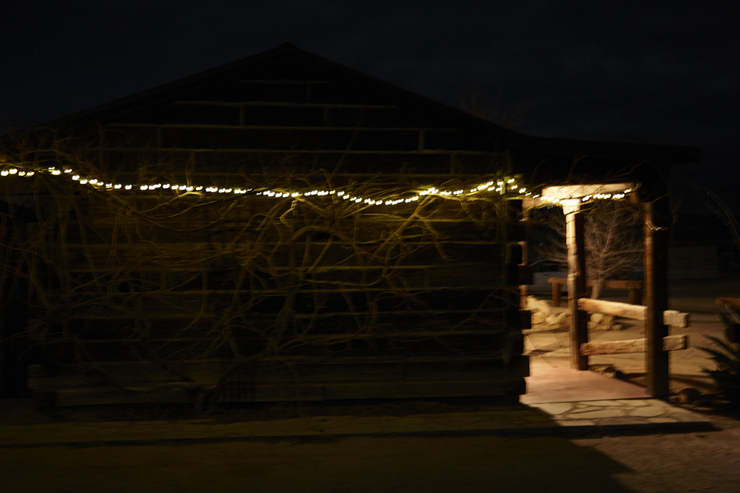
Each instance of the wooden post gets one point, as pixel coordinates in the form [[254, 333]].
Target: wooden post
[[656, 295], [523, 288], [555, 294], [576, 282]]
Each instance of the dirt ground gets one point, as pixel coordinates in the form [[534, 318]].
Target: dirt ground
[[685, 462]]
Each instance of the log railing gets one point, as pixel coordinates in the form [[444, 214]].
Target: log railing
[[635, 312], [633, 287]]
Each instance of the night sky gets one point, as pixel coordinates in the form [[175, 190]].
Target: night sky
[[638, 71]]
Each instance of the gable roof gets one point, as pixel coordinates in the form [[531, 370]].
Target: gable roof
[[286, 57], [287, 60]]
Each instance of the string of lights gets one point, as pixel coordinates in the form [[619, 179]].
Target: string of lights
[[507, 186], [501, 187]]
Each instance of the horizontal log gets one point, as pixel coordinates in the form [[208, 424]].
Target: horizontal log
[[324, 289], [132, 375], [510, 389], [341, 378], [216, 364], [578, 191], [634, 312], [107, 396], [300, 152], [612, 284], [196, 126], [183, 314], [673, 318], [405, 390], [329, 338], [670, 343]]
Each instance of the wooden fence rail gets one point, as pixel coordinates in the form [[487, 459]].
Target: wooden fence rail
[[634, 288], [634, 312]]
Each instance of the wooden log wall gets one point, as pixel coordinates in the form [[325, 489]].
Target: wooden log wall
[[250, 284]]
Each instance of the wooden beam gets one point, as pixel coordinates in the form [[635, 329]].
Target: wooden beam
[[612, 284], [673, 318], [568, 192], [634, 288], [657, 219], [579, 191], [634, 312], [576, 285], [670, 343], [556, 290]]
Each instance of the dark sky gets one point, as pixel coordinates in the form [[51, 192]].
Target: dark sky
[[641, 71]]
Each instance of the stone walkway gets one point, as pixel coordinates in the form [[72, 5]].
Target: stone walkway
[[627, 414], [555, 418]]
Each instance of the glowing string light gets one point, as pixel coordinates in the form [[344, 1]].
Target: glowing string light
[[507, 186]]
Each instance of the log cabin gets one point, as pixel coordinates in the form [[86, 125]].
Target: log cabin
[[279, 228]]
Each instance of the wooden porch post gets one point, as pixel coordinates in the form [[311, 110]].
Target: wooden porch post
[[576, 281], [656, 295]]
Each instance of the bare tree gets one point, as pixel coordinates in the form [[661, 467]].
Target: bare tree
[[612, 238]]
